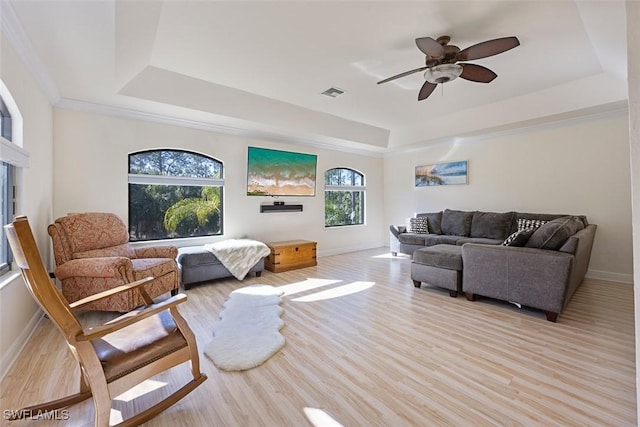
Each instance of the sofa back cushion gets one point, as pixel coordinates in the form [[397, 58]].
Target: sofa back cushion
[[90, 231], [555, 233], [491, 225], [434, 219], [123, 250], [456, 223]]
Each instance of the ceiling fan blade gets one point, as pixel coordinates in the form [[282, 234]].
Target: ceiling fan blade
[[488, 48], [430, 47], [477, 73], [426, 90], [406, 73]]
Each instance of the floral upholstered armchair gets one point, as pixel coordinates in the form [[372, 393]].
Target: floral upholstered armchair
[[93, 254]]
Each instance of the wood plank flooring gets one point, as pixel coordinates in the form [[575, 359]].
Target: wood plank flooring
[[366, 348]]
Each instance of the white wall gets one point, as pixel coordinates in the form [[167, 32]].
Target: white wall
[[574, 167], [633, 65], [18, 311], [90, 164]]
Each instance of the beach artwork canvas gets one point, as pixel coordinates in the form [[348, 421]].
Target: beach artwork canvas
[[441, 174], [280, 173]]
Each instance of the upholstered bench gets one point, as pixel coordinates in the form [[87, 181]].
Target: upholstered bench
[[438, 265], [197, 264]]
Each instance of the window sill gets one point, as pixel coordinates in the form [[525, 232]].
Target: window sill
[[8, 278]]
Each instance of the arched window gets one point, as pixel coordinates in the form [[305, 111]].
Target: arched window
[[344, 190], [174, 194], [12, 157]]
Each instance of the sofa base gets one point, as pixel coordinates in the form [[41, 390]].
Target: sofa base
[[436, 276], [550, 315]]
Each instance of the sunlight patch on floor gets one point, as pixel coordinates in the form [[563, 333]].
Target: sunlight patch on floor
[[390, 256], [143, 388], [339, 291], [319, 418], [306, 285]]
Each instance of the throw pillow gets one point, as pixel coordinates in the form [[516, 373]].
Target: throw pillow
[[553, 234], [519, 238], [434, 220], [525, 224], [419, 225]]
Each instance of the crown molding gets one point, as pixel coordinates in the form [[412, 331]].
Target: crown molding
[[11, 27], [88, 107], [614, 109]]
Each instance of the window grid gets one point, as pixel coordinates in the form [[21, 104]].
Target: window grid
[[344, 197]]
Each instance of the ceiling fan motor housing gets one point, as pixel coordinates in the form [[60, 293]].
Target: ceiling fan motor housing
[[443, 73]]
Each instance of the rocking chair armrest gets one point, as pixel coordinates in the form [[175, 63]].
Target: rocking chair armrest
[[131, 318], [108, 293]]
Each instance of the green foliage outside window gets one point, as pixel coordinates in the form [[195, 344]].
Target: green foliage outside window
[[343, 202], [167, 210]]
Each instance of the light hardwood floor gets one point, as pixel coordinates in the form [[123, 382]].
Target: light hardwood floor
[[366, 348]]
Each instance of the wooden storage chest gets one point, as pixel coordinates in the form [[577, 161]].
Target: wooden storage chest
[[290, 254]]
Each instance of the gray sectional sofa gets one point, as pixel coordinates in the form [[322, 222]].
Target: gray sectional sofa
[[536, 260]]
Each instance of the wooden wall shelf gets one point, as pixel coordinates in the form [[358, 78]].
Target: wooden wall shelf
[[280, 208]]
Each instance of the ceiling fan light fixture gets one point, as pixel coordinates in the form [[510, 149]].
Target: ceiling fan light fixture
[[443, 73]]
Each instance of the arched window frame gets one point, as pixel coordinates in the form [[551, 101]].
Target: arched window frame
[[164, 177], [12, 158], [348, 192]]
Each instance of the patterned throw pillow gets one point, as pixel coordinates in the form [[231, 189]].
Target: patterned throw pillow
[[419, 225], [520, 237], [525, 224]]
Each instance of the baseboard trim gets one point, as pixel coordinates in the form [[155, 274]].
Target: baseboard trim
[[11, 355], [345, 250], [610, 276]]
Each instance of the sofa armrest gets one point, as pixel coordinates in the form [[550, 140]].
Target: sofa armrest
[[107, 267], [537, 278], [396, 230], [157, 252]]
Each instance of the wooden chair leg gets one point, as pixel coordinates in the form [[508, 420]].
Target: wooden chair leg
[[151, 412]]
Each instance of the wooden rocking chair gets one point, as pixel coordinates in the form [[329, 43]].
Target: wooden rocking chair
[[118, 355]]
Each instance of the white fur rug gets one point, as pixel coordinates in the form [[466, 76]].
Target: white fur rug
[[248, 332]]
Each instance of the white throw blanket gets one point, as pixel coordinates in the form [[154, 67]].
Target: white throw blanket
[[238, 255]]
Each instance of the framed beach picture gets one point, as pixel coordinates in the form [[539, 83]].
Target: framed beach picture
[[441, 174]]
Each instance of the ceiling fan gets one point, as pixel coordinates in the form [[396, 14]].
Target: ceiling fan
[[441, 59]]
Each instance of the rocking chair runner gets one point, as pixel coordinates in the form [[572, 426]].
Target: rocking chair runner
[[118, 355]]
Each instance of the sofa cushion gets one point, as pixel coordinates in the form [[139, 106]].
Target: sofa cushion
[[519, 238], [442, 256], [480, 240], [440, 239], [412, 238], [419, 225], [491, 225], [456, 223], [553, 234], [434, 220]]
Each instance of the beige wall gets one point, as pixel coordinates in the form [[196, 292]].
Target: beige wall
[[18, 312], [576, 167], [90, 163]]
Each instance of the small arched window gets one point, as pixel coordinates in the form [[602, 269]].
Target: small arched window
[[174, 194], [344, 190]]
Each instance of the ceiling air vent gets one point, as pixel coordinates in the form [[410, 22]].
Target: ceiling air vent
[[333, 92]]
